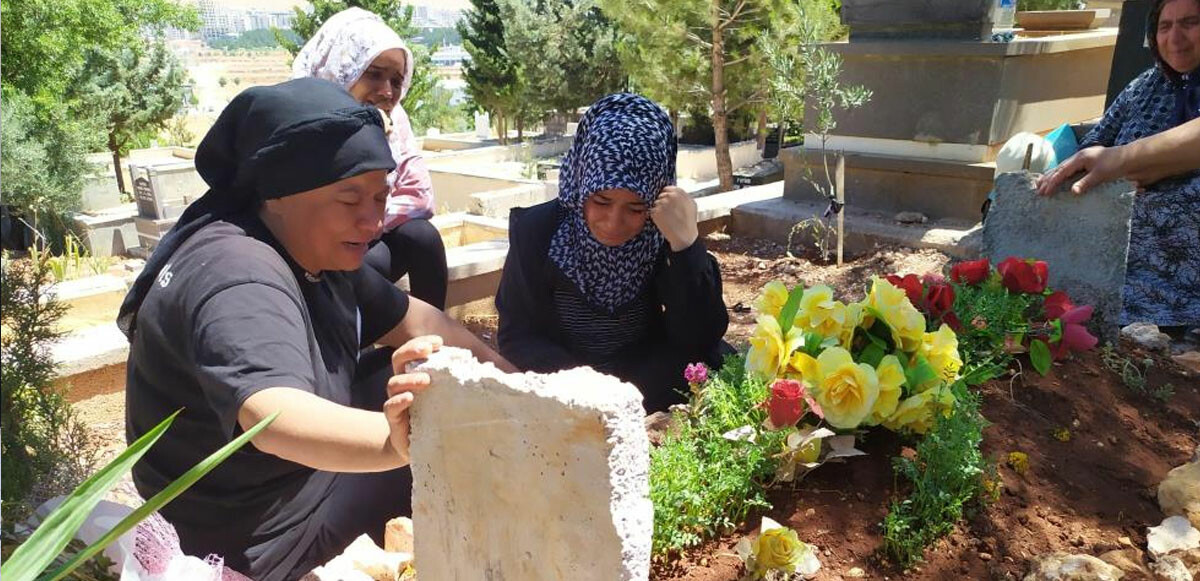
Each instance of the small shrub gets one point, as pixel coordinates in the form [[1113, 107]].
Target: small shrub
[[947, 475], [1134, 375], [701, 483], [46, 450]]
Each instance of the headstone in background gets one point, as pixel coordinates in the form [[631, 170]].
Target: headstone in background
[[483, 125], [1083, 239], [528, 476]]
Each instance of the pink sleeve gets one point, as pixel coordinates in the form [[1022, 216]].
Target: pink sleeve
[[412, 188]]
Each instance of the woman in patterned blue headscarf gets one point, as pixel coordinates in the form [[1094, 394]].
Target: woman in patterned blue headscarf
[[1162, 283], [612, 274]]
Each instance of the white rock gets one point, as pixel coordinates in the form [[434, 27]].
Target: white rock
[[527, 476], [363, 560], [398, 535], [1128, 560], [1170, 568], [1147, 336], [1179, 492], [1067, 567], [1174, 534]]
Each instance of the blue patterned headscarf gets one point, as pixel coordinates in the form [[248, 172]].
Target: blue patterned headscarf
[[623, 141]]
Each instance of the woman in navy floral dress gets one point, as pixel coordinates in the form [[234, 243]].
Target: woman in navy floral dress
[[1162, 283]]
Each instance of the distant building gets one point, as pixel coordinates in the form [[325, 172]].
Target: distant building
[[426, 17], [451, 55], [220, 21]]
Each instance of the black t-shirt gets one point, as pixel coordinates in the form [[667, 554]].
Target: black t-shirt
[[230, 315]]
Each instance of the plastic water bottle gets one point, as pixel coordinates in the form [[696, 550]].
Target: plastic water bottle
[[1004, 15]]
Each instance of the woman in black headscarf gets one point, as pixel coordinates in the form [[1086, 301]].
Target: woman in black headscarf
[[255, 303]]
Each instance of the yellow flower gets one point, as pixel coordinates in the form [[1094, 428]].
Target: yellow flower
[[917, 412], [1019, 462], [803, 366], [941, 350], [891, 386], [770, 302], [906, 322], [855, 313], [777, 549], [846, 390], [821, 314], [769, 349]]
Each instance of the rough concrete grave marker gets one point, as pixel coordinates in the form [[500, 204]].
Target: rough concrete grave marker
[[528, 477], [1084, 239]]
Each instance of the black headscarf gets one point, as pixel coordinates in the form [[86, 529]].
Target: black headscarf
[[1185, 83], [271, 142]]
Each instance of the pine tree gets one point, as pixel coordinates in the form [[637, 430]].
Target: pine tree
[[134, 90], [492, 78]]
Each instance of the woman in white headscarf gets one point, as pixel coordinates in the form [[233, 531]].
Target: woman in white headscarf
[[359, 51]]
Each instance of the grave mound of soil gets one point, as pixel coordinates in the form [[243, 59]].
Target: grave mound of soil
[[1079, 496]]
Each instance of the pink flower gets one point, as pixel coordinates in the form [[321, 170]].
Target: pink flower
[[696, 373], [1075, 336]]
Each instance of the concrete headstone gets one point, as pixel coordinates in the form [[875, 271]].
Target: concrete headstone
[[528, 476], [1084, 239]]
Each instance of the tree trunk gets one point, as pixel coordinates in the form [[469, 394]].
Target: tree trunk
[[675, 123], [521, 129], [500, 133], [116, 153], [720, 117], [762, 128]]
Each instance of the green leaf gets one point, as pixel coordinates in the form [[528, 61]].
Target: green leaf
[[57, 530], [872, 355], [918, 372], [1056, 334], [162, 498], [787, 316], [814, 343], [1039, 354]]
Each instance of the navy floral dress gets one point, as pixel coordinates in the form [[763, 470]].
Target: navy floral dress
[[1162, 280]]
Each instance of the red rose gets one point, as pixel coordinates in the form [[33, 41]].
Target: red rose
[[972, 272], [1023, 276], [1057, 304], [911, 285], [940, 300], [785, 405]]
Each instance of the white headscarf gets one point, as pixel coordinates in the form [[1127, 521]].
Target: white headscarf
[[340, 52], [345, 45]]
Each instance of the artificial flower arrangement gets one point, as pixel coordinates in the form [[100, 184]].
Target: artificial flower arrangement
[[1047, 324], [836, 366]]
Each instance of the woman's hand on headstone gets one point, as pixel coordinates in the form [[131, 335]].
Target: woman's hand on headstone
[[403, 386], [674, 213], [1098, 164]]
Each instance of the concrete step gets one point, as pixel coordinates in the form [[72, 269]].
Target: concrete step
[[772, 217]]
